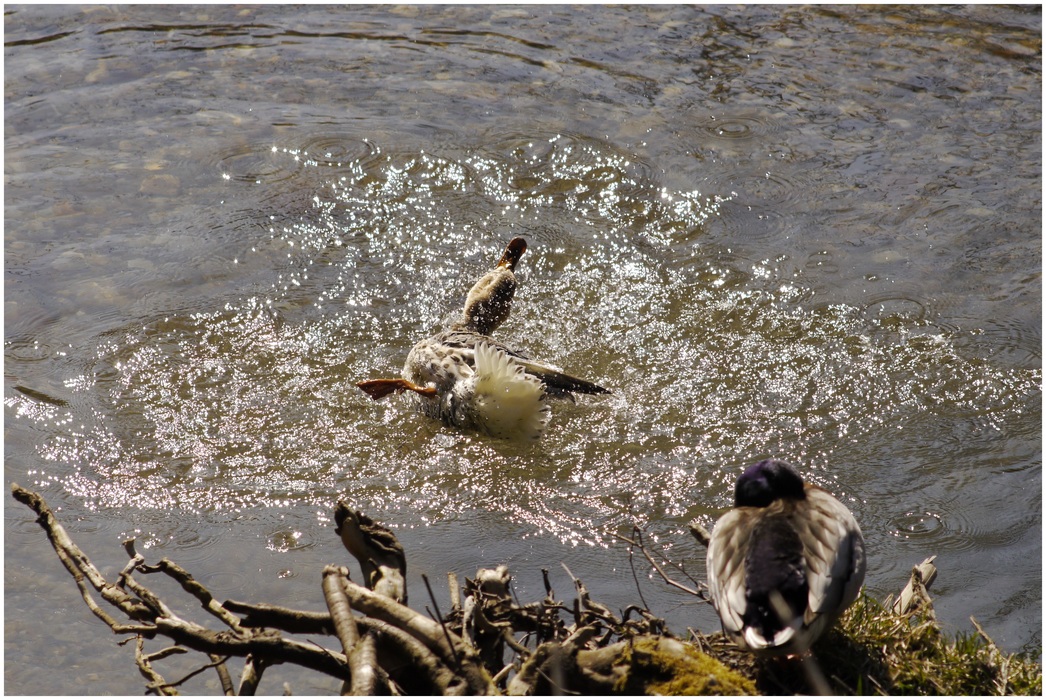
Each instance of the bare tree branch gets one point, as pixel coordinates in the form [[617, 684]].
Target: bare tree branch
[[223, 673], [77, 563], [657, 567], [156, 682]]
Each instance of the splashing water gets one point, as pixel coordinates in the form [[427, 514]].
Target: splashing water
[[712, 358]]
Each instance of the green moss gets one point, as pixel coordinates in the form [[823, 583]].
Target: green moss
[[664, 666]]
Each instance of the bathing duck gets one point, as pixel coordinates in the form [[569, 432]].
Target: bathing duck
[[467, 379], [785, 562]]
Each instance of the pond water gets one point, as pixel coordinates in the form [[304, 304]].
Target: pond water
[[811, 233]]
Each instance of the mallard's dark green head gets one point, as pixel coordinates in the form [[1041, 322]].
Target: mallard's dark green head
[[765, 482]]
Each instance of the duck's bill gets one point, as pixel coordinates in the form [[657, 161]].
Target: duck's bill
[[380, 388]]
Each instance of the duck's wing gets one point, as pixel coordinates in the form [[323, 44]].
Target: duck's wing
[[727, 551], [558, 380], [834, 552], [505, 401]]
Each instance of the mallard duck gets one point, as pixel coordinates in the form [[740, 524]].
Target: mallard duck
[[785, 562], [467, 379]]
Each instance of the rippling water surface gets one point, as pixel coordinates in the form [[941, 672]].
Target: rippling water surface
[[808, 233]]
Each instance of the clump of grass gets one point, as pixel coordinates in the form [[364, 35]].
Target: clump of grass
[[875, 651]]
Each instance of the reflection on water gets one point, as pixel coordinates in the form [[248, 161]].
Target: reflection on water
[[759, 252], [711, 358]]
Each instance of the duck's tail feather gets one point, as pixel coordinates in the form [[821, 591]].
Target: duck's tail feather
[[509, 402]]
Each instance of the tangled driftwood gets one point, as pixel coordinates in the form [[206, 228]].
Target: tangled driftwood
[[487, 642], [388, 648]]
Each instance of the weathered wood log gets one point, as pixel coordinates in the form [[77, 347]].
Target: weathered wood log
[[387, 643], [487, 602], [286, 619], [449, 648], [582, 648], [83, 572], [144, 661], [699, 532], [262, 644], [152, 616], [253, 669], [407, 661], [455, 592], [412, 665], [546, 671], [191, 586], [364, 676], [367, 678], [915, 594], [377, 550]]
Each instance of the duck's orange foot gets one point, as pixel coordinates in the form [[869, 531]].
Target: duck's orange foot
[[380, 388]]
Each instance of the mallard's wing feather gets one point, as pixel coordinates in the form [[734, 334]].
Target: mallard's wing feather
[[554, 378], [557, 379], [726, 566], [834, 552]]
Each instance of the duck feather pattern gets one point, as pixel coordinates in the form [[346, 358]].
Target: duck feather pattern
[[806, 553]]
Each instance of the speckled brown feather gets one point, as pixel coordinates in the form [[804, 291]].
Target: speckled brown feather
[[440, 372]]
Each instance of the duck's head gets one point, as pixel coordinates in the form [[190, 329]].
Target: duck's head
[[765, 482], [490, 300]]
